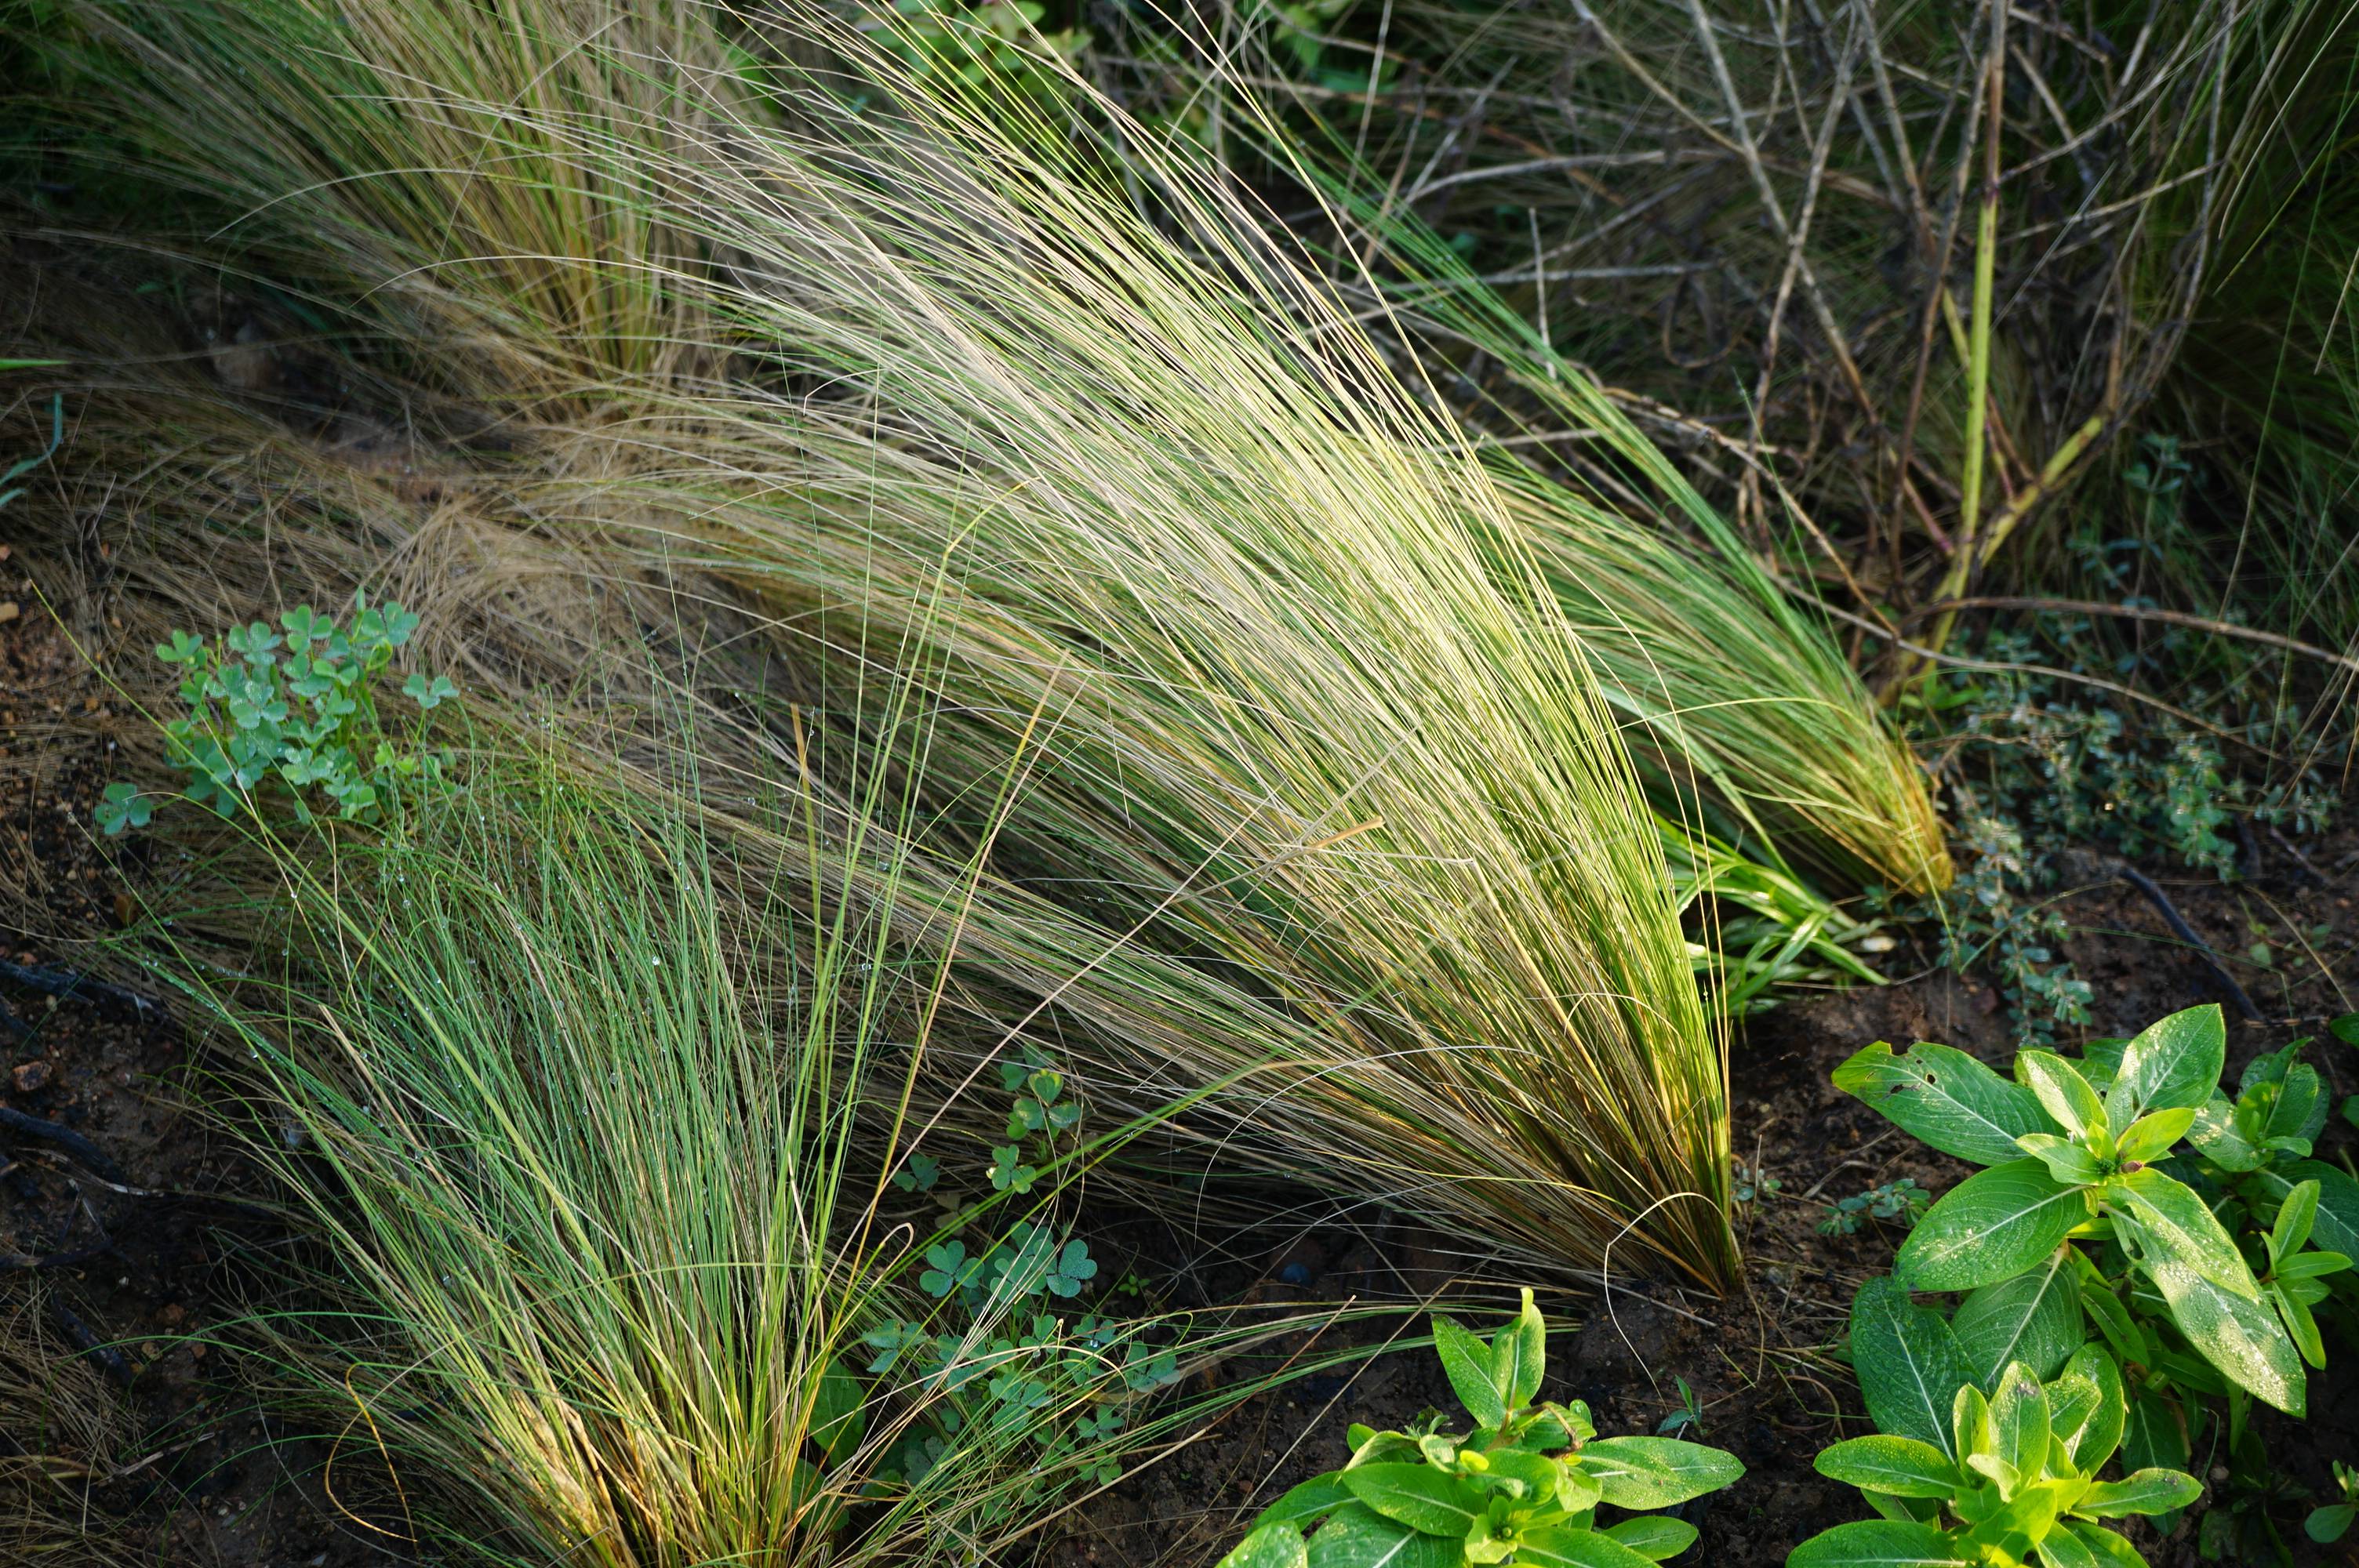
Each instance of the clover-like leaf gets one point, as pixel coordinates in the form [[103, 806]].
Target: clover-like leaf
[[1009, 1173], [122, 806], [1074, 1269], [950, 1268]]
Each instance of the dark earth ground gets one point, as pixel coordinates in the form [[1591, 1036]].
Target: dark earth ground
[[111, 1282]]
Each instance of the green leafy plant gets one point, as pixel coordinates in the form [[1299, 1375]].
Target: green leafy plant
[[2004, 1479], [2077, 1151], [1000, 1346], [1902, 1202], [1524, 1486], [2329, 1523], [1689, 1416], [1752, 1183], [302, 708]]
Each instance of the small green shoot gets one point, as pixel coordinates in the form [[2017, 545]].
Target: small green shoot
[[1522, 1487]]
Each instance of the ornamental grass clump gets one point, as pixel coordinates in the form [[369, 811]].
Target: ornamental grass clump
[[1328, 808], [603, 1196], [1313, 726]]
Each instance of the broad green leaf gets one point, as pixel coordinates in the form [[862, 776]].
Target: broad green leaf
[[1519, 1355], [1418, 1496], [2301, 1111], [2174, 1222], [2214, 1132], [2128, 1338], [2176, 1061], [2066, 1161], [2144, 1492], [1970, 1428], [2241, 1338], [1655, 1537], [2151, 1136], [2330, 1523], [2294, 1316], [1314, 1498], [2063, 1549], [2295, 1215], [2110, 1550], [2335, 1227], [1569, 1546], [1942, 1097], [2063, 1093], [1908, 1510], [1879, 1543], [1357, 1537], [2018, 1417], [1269, 1546], [2026, 1517], [1467, 1362], [1897, 1466], [1657, 1472], [1909, 1363], [2312, 1265], [2088, 1423], [1990, 1226], [2153, 1434], [2034, 1318], [1542, 1474]]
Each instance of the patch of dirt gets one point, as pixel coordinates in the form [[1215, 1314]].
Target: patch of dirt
[[128, 1232]]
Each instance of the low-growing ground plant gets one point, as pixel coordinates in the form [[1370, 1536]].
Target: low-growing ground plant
[[2330, 1522], [1524, 1486], [302, 710], [1006, 1348], [2007, 1479], [2081, 1153], [1901, 1203]]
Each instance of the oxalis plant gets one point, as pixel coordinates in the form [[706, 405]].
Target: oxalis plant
[[1523, 1487], [300, 705], [2085, 1152], [2005, 1480]]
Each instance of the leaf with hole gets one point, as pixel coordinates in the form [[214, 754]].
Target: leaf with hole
[[1944, 1097]]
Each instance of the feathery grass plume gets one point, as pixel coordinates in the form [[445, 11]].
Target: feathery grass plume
[[471, 181], [1343, 775], [604, 1195], [1741, 685], [1312, 727], [1743, 690], [1828, 262]]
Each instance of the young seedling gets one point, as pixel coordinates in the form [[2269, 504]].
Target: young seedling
[[1902, 1201], [2075, 1153], [2330, 1522], [2012, 1481], [1523, 1487]]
